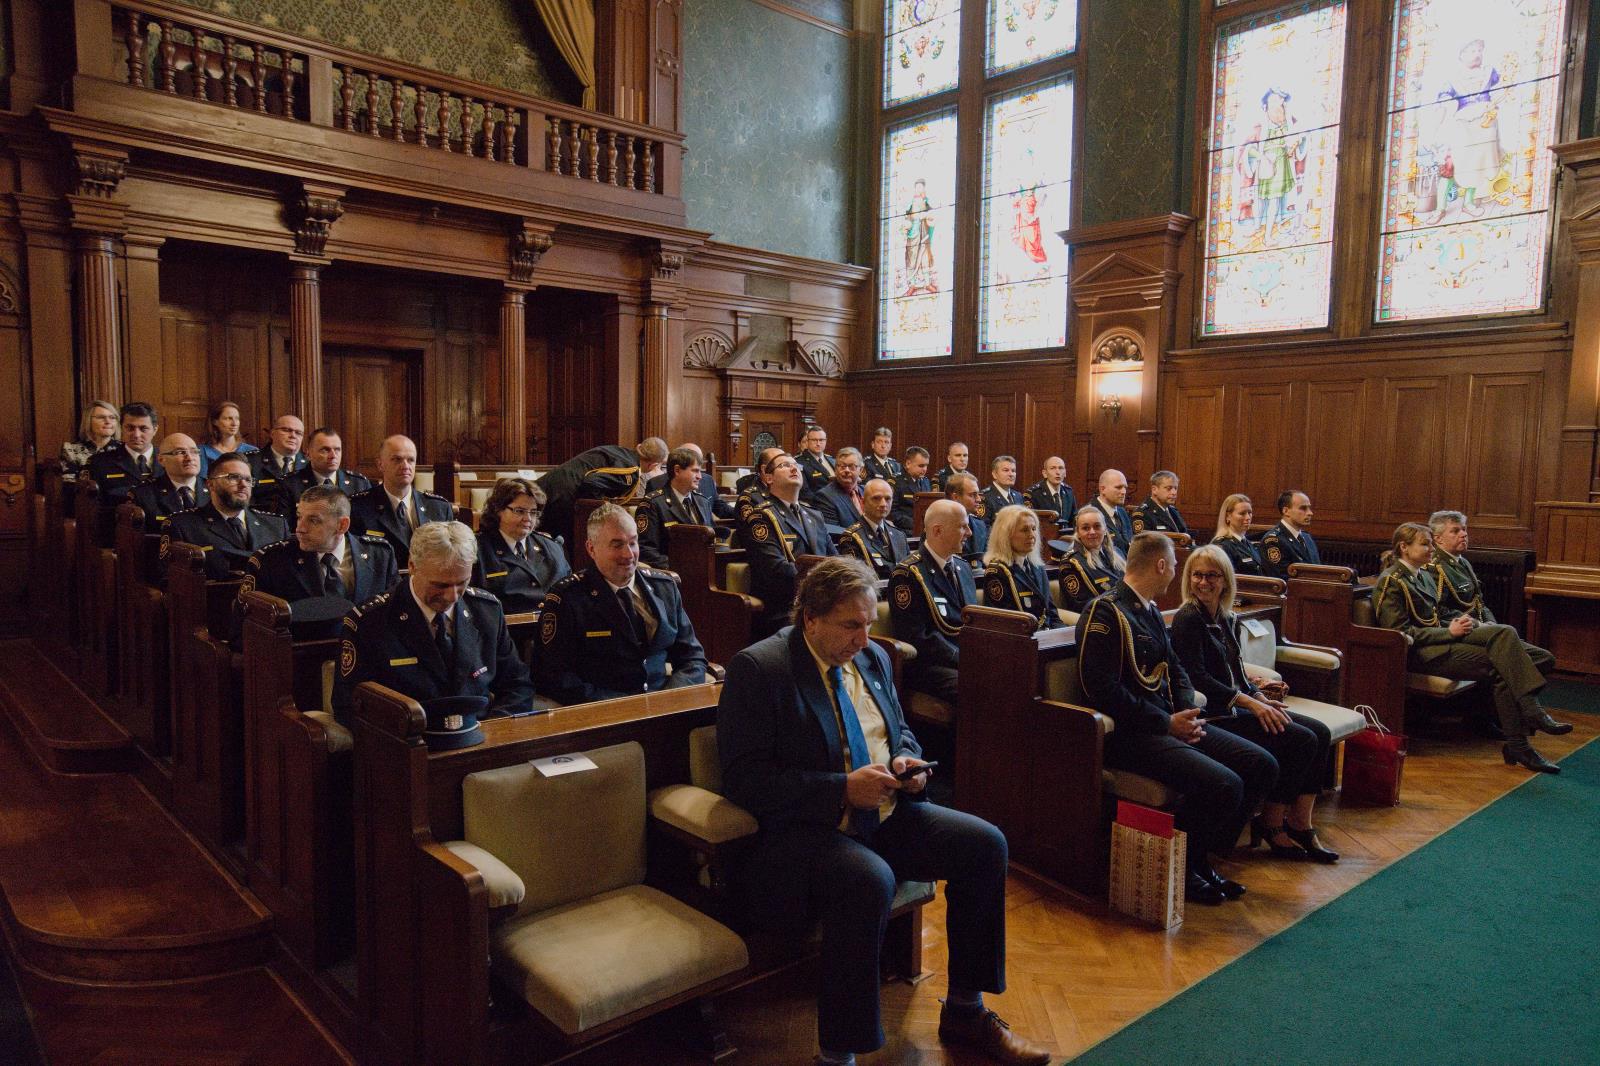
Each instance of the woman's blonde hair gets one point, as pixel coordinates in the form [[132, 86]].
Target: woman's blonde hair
[[1405, 535], [1005, 523], [1218, 558], [84, 430], [1227, 508]]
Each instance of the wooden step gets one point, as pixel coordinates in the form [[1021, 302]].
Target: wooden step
[[98, 881], [66, 730]]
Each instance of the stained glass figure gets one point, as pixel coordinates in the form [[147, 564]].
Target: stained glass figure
[[916, 238], [1474, 91], [921, 48], [1026, 200], [1026, 31], [1273, 159]]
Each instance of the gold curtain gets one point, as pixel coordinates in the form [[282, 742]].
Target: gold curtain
[[571, 26]]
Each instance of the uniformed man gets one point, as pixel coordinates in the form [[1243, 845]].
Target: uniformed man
[[1288, 542], [677, 502], [615, 628], [776, 533], [652, 460], [815, 464], [955, 462], [608, 472], [225, 527], [912, 480], [963, 488], [1052, 493], [840, 499], [926, 594], [123, 464], [1159, 513], [1131, 674], [1002, 490], [875, 540], [178, 487], [751, 490], [433, 635], [1459, 589], [1093, 566], [324, 558], [394, 508], [721, 507], [280, 458], [880, 461], [517, 562], [1112, 494], [323, 454]]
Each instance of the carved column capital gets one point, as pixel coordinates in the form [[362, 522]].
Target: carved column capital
[[311, 215], [665, 283], [98, 172], [528, 245]]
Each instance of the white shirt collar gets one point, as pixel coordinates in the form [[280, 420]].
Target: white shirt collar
[[148, 453], [512, 544], [428, 613], [397, 502], [190, 484], [618, 588], [337, 552], [938, 560]]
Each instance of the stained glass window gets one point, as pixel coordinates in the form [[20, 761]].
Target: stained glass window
[[916, 238], [1473, 100], [1272, 161], [1026, 31], [921, 48], [1026, 190]]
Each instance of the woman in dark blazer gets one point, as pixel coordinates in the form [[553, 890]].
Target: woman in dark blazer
[[1233, 527], [1014, 577], [1094, 565], [516, 562], [1205, 636]]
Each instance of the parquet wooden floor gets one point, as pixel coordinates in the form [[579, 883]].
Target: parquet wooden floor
[[1077, 974]]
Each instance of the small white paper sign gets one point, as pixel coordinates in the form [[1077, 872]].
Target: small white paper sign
[[530, 475], [466, 475], [556, 765], [1255, 627]]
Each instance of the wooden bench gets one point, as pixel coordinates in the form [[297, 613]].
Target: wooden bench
[[94, 591], [52, 554], [722, 617], [143, 633]]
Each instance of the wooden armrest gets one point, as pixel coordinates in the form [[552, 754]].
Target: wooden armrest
[[716, 672], [701, 818], [1316, 572], [505, 887], [1309, 656]]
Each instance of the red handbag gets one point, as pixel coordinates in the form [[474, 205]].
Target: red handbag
[[1373, 762]]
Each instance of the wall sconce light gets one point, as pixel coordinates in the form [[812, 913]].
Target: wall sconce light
[[1113, 385]]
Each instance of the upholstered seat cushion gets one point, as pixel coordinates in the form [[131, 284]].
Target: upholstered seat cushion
[[909, 892], [1261, 674], [1434, 685], [926, 708], [700, 813], [339, 738], [589, 962], [737, 578], [1342, 722], [505, 887], [1136, 788], [1314, 658]]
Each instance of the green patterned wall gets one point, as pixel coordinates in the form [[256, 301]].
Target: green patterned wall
[[1137, 81], [768, 102], [490, 41]]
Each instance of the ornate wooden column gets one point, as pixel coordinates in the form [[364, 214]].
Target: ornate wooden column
[[1578, 462], [97, 220], [528, 245], [311, 216], [663, 342]]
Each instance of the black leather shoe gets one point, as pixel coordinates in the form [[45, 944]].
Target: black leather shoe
[[1229, 889], [1545, 724], [1523, 755], [1199, 890], [1307, 839], [985, 1031]]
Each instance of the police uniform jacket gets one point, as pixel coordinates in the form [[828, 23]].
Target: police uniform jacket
[[289, 573], [773, 536], [816, 472], [1021, 586], [978, 543], [1084, 577], [748, 483], [1243, 554], [1281, 549], [266, 472], [290, 488], [833, 500], [1062, 501], [659, 513], [1119, 524], [116, 473], [750, 499], [995, 497], [925, 607], [720, 507], [387, 640], [520, 584], [372, 515], [904, 510], [159, 500], [1208, 648], [1154, 517], [226, 553], [1127, 666], [609, 472], [881, 550], [887, 468], [588, 649], [946, 473], [1459, 588]]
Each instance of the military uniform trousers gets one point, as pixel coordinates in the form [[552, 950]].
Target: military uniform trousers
[[1495, 653]]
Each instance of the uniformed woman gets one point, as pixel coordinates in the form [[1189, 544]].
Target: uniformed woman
[[1014, 577], [1233, 527], [1094, 565], [516, 562]]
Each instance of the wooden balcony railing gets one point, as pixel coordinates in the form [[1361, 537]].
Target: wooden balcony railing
[[176, 51]]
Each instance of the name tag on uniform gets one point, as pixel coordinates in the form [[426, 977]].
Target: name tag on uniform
[[110, 476], [374, 532], [1026, 596], [598, 633], [480, 671], [941, 601], [207, 547], [497, 573], [412, 661]]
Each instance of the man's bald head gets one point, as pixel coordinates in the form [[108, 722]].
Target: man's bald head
[[1114, 487], [397, 461], [179, 457], [945, 527]]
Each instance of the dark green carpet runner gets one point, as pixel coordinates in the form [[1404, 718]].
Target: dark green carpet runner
[[1480, 947]]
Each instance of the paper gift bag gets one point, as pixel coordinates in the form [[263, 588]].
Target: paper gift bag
[[1373, 762], [1149, 859]]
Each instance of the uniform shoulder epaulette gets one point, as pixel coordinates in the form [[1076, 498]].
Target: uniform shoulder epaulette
[[277, 546], [654, 493], [361, 608], [481, 594], [908, 562], [430, 495], [567, 582], [363, 538]]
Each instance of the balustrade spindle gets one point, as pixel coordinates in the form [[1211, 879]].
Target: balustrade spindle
[[347, 94], [258, 71], [372, 105], [552, 143], [491, 131], [197, 63], [469, 125], [649, 183], [169, 58], [592, 161], [135, 43], [421, 112], [508, 140], [444, 121], [573, 148], [230, 68], [628, 140], [397, 90], [612, 175], [287, 58]]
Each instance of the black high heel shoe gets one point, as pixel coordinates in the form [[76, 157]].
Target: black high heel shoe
[[1260, 833], [1523, 755], [1307, 839]]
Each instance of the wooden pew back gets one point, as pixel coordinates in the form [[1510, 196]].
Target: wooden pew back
[[54, 537], [96, 590], [144, 666], [721, 618]]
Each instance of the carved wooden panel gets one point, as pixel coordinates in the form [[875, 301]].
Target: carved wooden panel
[[1416, 450], [999, 431], [1262, 443], [1045, 425], [958, 420], [184, 386], [1193, 446], [369, 395], [1332, 439], [1502, 447]]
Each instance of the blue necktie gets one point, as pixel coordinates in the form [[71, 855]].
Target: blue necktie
[[863, 822]]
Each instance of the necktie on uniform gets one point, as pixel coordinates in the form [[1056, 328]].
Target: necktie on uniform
[[625, 601], [332, 582], [185, 497], [327, 482], [144, 466], [444, 642], [862, 822], [521, 550]]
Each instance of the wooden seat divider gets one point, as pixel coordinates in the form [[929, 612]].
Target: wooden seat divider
[[422, 912], [95, 591], [1324, 612], [54, 536], [721, 618], [143, 634]]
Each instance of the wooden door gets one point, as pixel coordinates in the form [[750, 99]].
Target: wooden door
[[370, 394], [768, 428]]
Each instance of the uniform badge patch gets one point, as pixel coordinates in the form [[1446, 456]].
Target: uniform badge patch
[[642, 519], [248, 584], [166, 545], [902, 596], [996, 591], [1074, 586], [1275, 554], [347, 657], [547, 626], [1138, 523], [761, 532]]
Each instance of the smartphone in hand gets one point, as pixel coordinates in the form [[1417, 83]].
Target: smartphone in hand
[[912, 771]]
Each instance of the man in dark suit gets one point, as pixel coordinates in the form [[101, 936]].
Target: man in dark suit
[[874, 540], [324, 558], [751, 490], [678, 501], [1052, 493], [721, 506], [963, 488], [815, 464], [926, 594], [955, 462], [811, 737], [122, 464], [1002, 490], [395, 508], [1288, 542], [1159, 514], [323, 453], [609, 472], [1222, 777], [178, 487], [913, 479], [280, 458], [1109, 500], [774, 535], [225, 527], [614, 629], [433, 635], [880, 461], [840, 499]]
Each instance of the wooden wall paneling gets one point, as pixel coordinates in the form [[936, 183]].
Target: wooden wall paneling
[[47, 279], [179, 383], [141, 279], [1193, 445], [1045, 431], [999, 429], [1265, 449], [1333, 438], [1416, 447], [1502, 448], [919, 424], [957, 420]]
